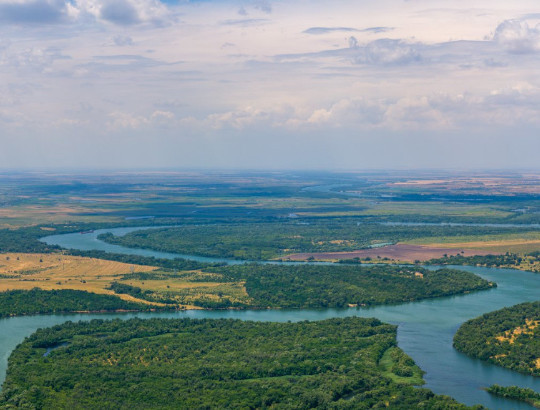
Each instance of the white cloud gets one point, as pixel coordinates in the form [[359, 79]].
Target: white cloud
[[518, 37], [126, 12], [284, 69], [35, 11], [120, 12]]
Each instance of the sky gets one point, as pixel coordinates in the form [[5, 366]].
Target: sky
[[263, 84]]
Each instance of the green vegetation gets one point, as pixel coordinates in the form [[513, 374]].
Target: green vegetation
[[509, 337], [304, 286], [37, 301], [529, 261], [171, 264], [24, 240], [312, 286], [211, 364], [278, 239], [516, 393], [396, 365]]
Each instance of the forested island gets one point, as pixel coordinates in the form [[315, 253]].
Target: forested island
[[279, 238], [312, 286], [516, 393], [164, 364], [307, 286], [57, 283], [509, 337]]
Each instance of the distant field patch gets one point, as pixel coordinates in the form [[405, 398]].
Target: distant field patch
[[495, 247], [399, 252]]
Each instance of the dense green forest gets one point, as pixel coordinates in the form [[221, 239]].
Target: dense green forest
[[171, 264], [509, 337], [320, 286], [211, 364], [516, 393], [310, 286], [261, 241], [37, 301], [530, 261], [303, 286]]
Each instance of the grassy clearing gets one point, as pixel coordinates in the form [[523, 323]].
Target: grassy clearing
[[186, 292], [26, 271], [399, 367]]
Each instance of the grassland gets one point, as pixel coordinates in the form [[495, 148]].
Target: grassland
[[25, 271]]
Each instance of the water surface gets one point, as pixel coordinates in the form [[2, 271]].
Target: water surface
[[425, 328]]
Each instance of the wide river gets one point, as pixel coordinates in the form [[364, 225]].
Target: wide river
[[425, 328]]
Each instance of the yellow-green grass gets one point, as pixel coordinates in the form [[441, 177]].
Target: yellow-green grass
[[25, 271], [56, 271], [386, 363], [185, 291], [500, 242]]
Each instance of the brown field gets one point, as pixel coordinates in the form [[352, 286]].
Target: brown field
[[399, 252], [57, 271]]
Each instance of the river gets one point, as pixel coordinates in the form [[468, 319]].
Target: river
[[425, 328]]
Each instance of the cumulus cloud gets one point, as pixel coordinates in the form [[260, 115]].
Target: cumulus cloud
[[36, 11], [517, 37], [36, 59], [120, 12], [127, 12], [379, 52], [388, 51]]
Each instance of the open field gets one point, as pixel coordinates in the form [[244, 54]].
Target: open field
[[25, 271], [494, 247], [398, 253], [56, 271]]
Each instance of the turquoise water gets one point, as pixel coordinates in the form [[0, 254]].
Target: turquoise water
[[425, 328]]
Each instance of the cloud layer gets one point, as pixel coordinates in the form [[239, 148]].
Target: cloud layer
[[212, 79]]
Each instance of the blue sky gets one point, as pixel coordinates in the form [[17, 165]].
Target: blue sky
[[341, 84]]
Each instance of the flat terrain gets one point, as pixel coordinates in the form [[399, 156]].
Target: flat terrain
[[492, 247], [399, 253], [26, 271]]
